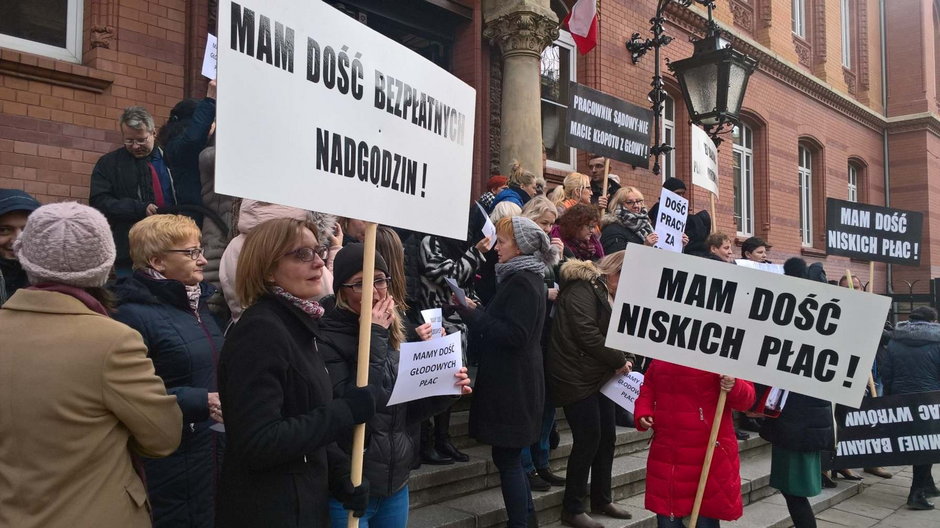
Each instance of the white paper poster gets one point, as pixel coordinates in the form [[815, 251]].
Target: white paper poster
[[624, 390], [318, 111], [427, 368], [670, 224], [210, 59], [704, 161], [434, 316]]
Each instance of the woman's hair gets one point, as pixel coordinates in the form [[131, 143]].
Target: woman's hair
[[538, 206], [388, 244], [576, 217], [504, 227], [574, 183], [263, 248], [610, 264], [716, 240], [519, 176], [621, 196], [157, 233], [557, 195], [923, 313], [180, 117], [103, 295], [504, 209], [396, 330]]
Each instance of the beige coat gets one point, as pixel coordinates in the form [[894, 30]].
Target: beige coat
[[77, 392]]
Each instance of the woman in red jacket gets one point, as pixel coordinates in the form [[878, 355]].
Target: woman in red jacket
[[679, 404]]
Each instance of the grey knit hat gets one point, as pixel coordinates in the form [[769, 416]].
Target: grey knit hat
[[531, 240], [66, 243]]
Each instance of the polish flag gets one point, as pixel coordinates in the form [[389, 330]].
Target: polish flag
[[582, 23]]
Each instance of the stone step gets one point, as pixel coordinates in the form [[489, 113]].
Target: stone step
[[460, 427], [484, 507]]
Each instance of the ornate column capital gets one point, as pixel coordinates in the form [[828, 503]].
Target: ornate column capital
[[524, 32]]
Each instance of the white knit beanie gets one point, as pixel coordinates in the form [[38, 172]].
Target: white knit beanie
[[66, 243]]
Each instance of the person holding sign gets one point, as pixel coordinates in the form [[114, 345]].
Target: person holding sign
[[281, 419], [679, 404], [576, 229], [390, 450], [626, 222], [719, 247], [506, 412], [578, 365], [912, 364], [755, 249]]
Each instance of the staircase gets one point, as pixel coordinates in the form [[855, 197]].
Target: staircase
[[467, 495]]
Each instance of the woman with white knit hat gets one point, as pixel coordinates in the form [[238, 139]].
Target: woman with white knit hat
[[78, 389]]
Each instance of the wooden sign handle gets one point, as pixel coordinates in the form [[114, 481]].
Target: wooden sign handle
[[709, 454]]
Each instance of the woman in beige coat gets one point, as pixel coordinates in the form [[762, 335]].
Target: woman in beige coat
[[78, 392]]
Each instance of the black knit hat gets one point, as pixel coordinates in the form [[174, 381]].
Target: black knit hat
[[673, 184], [348, 262]]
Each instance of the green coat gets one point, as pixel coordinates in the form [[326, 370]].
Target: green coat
[[578, 363]]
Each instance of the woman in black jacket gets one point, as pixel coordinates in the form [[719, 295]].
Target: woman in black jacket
[[626, 222], [282, 462], [506, 411], [390, 450], [165, 300]]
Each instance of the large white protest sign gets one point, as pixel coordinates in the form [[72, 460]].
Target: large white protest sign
[[318, 111], [704, 161], [795, 334], [763, 266], [624, 390], [673, 213], [427, 368]]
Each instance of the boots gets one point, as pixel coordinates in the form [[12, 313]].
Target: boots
[[918, 501], [551, 478], [442, 438], [429, 454]]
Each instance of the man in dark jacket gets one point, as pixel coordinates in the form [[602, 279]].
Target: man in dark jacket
[[132, 182], [596, 168], [15, 206], [912, 364]]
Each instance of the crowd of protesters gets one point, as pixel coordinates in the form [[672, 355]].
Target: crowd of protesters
[[179, 357]]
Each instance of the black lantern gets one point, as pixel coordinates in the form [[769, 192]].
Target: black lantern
[[713, 81]]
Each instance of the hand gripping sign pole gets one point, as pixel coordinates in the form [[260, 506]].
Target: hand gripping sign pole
[[362, 365], [709, 454]]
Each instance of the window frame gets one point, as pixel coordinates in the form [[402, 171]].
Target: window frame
[[805, 185], [798, 18], [564, 40], [668, 161], [846, 19], [853, 182], [74, 29], [746, 175]]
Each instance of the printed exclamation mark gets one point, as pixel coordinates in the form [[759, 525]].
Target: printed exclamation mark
[[917, 250], [424, 178], [853, 364]]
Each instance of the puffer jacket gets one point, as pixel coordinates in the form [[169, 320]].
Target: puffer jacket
[[184, 346], [251, 214], [912, 363], [805, 424], [682, 402], [578, 363], [512, 194], [390, 450], [615, 235]]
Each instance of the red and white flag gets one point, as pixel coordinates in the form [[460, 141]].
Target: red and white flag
[[582, 23]]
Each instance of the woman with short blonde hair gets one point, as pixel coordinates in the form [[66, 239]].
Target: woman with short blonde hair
[[627, 221], [577, 188]]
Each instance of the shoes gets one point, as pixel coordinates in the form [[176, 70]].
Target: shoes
[[579, 520], [551, 478], [429, 455], [741, 435], [827, 482], [932, 492], [536, 483], [554, 438], [447, 449], [878, 472], [749, 424], [919, 502], [847, 474], [612, 510]]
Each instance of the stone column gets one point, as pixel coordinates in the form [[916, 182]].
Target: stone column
[[521, 29]]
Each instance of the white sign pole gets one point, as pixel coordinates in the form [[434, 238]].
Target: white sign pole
[[670, 226]]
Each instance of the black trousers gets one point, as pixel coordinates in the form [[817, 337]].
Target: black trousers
[[922, 479], [514, 485], [593, 427]]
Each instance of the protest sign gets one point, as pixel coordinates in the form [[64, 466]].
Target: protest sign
[[763, 266], [704, 161], [673, 212], [434, 316], [427, 368], [608, 126], [489, 228], [869, 232], [795, 334], [210, 59], [318, 111], [624, 390], [895, 430], [457, 291]]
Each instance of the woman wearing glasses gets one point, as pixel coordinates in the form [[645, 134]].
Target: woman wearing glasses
[[390, 450], [626, 222], [165, 300], [281, 418]]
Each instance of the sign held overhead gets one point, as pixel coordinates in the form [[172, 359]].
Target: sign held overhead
[[608, 126], [873, 233]]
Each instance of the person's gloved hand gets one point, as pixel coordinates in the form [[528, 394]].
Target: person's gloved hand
[[355, 498], [362, 400]]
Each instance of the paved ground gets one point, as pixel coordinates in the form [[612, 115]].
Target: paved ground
[[882, 503]]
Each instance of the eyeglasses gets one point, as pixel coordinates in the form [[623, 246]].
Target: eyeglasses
[[378, 284], [192, 253], [306, 254], [633, 202], [132, 142]]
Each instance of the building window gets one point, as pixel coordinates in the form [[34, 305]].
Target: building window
[[743, 163], [557, 70], [799, 18], [668, 160], [853, 183], [846, 19], [806, 196], [52, 28]]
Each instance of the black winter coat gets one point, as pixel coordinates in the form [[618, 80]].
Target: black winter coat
[[805, 424], [184, 347], [615, 236], [182, 153], [390, 450], [509, 391], [912, 363], [281, 422]]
